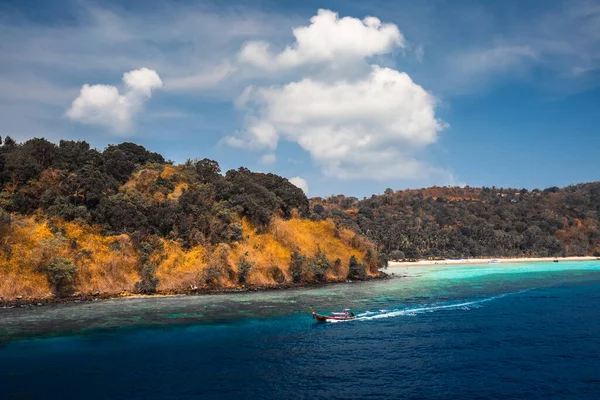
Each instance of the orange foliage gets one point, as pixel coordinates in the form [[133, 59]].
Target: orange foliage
[[105, 263], [352, 212], [168, 172], [178, 190], [111, 264], [180, 269], [141, 180]]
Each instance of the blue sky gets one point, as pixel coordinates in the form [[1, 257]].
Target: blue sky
[[502, 93]]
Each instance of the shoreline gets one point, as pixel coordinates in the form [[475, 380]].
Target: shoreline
[[84, 298], [499, 260]]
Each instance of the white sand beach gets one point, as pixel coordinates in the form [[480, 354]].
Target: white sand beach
[[487, 260]]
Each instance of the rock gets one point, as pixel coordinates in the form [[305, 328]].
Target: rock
[[19, 297], [39, 304]]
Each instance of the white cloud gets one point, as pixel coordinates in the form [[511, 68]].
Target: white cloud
[[355, 123], [258, 135], [268, 159], [301, 183], [365, 129], [498, 58], [207, 78], [103, 104], [328, 39]]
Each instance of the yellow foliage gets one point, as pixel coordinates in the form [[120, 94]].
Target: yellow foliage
[[266, 251], [179, 269], [105, 263], [178, 190], [141, 180], [111, 264], [168, 172]]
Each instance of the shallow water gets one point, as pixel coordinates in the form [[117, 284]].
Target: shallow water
[[445, 332]]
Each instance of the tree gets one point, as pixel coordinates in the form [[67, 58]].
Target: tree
[[318, 209], [319, 266], [297, 262], [73, 155], [255, 201], [244, 267], [117, 163], [148, 282], [397, 255], [355, 269], [208, 171], [61, 274], [211, 275]]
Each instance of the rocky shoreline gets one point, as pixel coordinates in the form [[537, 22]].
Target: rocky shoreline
[[80, 298]]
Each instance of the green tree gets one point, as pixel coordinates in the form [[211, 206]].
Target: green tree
[[148, 281], [244, 268], [297, 263], [61, 274], [319, 266], [355, 269]]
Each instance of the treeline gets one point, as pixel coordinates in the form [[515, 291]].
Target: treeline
[[124, 219], [452, 222], [74, 182]]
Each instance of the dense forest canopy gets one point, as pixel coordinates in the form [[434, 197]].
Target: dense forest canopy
[[73, 181], [452, 222]]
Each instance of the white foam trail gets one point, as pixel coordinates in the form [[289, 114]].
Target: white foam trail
[[466, 305]]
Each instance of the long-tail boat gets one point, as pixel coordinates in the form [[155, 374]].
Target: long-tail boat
[[344, 315]]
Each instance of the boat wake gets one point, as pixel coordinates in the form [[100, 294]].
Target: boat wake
[[428, 308]]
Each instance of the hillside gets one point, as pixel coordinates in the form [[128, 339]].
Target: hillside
[[77, 220], [452, 222]]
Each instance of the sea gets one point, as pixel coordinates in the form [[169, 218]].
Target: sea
[[493, 331]]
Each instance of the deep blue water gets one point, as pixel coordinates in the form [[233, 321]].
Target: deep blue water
[[501, 336]]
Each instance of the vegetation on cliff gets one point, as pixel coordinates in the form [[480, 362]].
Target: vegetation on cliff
[[452, 222], [74, 219]]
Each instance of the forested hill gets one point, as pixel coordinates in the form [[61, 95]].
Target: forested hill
[[452, 222], [75, 219]]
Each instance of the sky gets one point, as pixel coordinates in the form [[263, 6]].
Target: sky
[[346, 97]]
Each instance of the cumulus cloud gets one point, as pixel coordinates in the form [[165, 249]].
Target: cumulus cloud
[[327, 39], [365, 129], [103, 104], [366, 125], [300, 182]]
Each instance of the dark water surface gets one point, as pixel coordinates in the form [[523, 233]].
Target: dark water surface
[[495, 331]]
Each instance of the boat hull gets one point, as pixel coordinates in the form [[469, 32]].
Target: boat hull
[[333, 317], [325, 318]]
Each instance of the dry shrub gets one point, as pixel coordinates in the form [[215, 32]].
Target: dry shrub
[[110, 264], [180, 268]]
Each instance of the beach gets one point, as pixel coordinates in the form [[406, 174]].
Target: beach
[[487, 260]]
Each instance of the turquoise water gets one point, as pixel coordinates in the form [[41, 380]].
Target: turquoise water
[[445, 332]]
